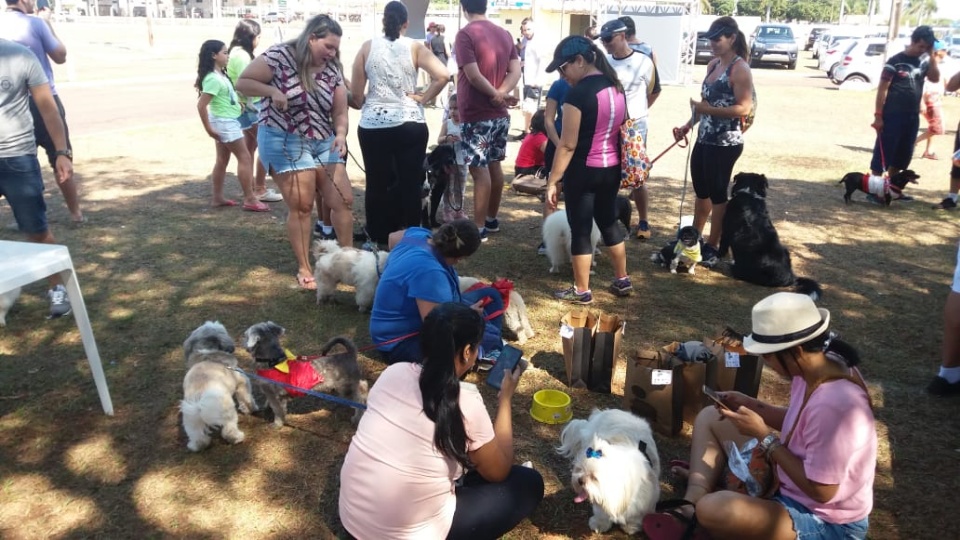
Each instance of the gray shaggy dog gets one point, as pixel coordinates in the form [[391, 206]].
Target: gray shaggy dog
[[210, 386]]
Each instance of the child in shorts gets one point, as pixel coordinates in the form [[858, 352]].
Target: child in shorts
[[451, 204]]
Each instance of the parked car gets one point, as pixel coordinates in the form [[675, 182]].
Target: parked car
[[273, 17], [864, 62], [773, 43], [702, 53], [832, 57], [812, 38], [953, 45]]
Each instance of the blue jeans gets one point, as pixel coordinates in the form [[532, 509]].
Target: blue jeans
[[283, 152], [809, 526], [22, 185]]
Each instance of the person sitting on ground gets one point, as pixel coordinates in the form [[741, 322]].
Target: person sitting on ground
[[531, 158], [422, 428], [826, 455], [419, 275]]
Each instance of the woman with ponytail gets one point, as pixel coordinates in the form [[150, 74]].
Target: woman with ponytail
[[393, 130], [822, 446], [422, 429], [588, 162]]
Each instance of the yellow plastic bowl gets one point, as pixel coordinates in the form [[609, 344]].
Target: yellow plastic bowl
[[551, 407]]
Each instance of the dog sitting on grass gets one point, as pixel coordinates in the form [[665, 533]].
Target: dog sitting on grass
[[685, 249]]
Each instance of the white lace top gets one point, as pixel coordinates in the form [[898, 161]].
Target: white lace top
[[390, 77]]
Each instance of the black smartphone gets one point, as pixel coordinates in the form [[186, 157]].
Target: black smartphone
[[712, 394], [508, 361]]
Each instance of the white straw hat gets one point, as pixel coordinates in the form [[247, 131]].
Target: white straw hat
[[783, 320]]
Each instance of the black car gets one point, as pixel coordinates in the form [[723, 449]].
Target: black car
[[702, 53], [812, 38], [773, 43]]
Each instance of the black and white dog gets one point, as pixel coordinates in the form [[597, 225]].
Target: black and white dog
[[880, 186], [440, 166], [758, 255]]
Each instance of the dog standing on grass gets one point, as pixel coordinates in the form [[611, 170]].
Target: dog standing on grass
[[879, 186], [557, 239], [331, 372], [348, 265], [210, 386]]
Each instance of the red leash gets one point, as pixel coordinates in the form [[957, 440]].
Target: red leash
[[372, 346], [685, 140]]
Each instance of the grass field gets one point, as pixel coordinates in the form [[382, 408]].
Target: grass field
[[155, 261]]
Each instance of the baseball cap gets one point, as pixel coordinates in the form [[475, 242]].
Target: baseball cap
[[631, 27], [924, 33], [610, 28], [724, 26], [568, 49]]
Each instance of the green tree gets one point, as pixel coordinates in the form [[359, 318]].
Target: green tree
[[918, 10]]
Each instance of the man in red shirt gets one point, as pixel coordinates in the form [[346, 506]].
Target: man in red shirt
[[489, 70]]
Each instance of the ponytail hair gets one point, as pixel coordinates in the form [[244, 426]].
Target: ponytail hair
[[740, 46], [830, 344], [244, 35], [457, 239], [446, 331], [394, 17], [729, 27]]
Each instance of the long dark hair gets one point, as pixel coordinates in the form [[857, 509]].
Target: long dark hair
[[446, 330], [205, 63], [600, 62], [459, 238], [394, 16], [828, 343], [244, 35]]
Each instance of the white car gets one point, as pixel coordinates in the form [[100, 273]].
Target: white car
[[864, 62], [830, 59], [953, 46], [829, 39]]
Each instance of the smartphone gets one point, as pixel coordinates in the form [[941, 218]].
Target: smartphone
[[508, 361], [712, 394]]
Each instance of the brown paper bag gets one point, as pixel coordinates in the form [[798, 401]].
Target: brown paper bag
[[735, 368], [694, 377], [653, 389], [606, 350], [577, 329]]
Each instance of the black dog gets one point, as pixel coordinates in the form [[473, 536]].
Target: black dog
[[884, 189], [440, 166], [758, 255], [624, 211]]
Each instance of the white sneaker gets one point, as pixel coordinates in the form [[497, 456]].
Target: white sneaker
[[270, 196], [59, 302]]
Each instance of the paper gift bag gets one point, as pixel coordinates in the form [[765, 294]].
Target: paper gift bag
[[606, 350], [693, 376], [577, 329], [735, 368], [653, 390]]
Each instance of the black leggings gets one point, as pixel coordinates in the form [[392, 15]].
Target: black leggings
[[591, 195], [710, 170], [393, 158], [490, 510]]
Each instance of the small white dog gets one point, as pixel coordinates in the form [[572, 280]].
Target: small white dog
[[7, 300], [210, 386], [351, 266], [615, 466], [515, 317], [556, 239]]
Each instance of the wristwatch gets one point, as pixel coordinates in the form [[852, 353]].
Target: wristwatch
[[68, 153], [768, 441]]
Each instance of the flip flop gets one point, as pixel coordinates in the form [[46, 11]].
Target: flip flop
[[259, 207], [306, 283], [680, 464], [227, 202], [669, 524]]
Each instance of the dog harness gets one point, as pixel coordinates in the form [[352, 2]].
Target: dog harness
[[502, 285], [295, 371], [878, 185]]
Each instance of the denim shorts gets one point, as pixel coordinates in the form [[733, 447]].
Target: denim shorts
[[809, 526], [228, 129], [283, 152], [22, 185], [248, 119], [484, 141]]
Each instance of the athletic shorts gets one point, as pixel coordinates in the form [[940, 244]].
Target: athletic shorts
[[485, 141]]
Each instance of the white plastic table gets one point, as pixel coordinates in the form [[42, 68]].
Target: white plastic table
[[22, 263]]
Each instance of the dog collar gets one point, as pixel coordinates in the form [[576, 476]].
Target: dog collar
[[591, 453]]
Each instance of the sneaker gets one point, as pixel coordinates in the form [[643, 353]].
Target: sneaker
[[621, 287], [946, 204], [541, 249], [270, 196], [711, 257], [483, 235], [642, 232], [332, 235], [59, 302], [571, 295], [940, 387], [492, 225], [317, 230]]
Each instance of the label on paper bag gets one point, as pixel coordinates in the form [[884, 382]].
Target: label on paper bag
[[731, 359], [566, 331], [660, 377]]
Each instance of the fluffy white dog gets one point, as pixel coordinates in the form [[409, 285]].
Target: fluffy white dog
[[615, 466], [556, 239], [351, 266], [7, 300], [515, 317], [210, 386]]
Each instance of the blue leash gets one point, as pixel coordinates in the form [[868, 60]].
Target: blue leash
[[320, 395]]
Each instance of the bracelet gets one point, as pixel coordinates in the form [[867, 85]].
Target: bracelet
[[772, 448], [768, 440]]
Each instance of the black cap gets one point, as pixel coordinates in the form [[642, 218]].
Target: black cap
[[924, 33], [631, 26], [720, 30], [568, 49], [610, 28]]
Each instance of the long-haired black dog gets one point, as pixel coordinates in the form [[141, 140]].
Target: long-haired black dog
[[440, 166], [758, 255], [886, 190]]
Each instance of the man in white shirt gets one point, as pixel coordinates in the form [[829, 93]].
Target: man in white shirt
[[636, 73], [535, 60]]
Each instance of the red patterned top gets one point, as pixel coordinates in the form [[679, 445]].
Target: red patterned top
[[309, 114]]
